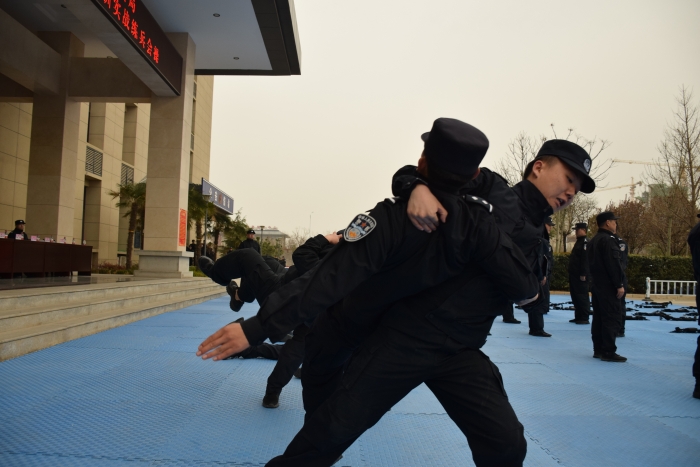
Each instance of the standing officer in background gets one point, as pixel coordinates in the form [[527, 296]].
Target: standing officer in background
[[624, 258], [19, 231], [694, 244], [535, 315], [608, 278], [250, 241], [579, 276]]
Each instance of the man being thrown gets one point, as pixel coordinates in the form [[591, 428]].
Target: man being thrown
[[434, 337], [258, 276], [402, 261]]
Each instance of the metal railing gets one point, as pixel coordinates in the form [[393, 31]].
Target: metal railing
[[127, 175], [93, 161], [670, 287]]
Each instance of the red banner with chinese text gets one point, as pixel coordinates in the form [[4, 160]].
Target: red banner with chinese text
[[182, 234]]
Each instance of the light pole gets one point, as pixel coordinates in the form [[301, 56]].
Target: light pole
[[262, 233]]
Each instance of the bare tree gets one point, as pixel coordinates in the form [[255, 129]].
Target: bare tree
[[297, 238], [675, 175], [580, 210], [632, 224], [521, 151]]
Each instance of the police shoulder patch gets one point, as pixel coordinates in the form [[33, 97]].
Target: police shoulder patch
[[361, 226], [622, 247], [480, 201]]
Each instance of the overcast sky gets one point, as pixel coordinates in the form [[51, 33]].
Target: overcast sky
[[375, 74]]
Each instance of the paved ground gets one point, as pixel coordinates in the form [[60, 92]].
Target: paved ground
[[138, 396]]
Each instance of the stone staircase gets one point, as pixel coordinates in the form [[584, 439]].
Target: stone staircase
[[33, 319]]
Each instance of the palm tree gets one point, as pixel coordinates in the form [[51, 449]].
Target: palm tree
[[133, 197], [198, 209], [222, 224]]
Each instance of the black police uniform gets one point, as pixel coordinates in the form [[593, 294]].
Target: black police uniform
[[624, 259], [694, 244], [17, 232], [607, 276], [249, 243], [260, 276], [536, 314], [357, 313], [578, 267]]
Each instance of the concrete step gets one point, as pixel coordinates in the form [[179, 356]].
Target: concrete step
[[41, 297], [26, 329], [58, 311]]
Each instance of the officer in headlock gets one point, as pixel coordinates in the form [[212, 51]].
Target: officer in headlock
[[608, 278], [579, 276], [399, 261], [694, 244]]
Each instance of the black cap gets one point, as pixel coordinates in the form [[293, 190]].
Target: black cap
[[250, 231], [572, 155], [455, 146], [605, 216], [19, 221], [581, 225], [549, 222]]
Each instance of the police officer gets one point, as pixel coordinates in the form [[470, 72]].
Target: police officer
[[624, 258], [19, 231], [608, 278], [432, 337], [694, 244], [399, 260], [250, 241], [536, 314], [260, 276], [579, 276]]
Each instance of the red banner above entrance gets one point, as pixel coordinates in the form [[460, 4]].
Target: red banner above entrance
[[135, 22]]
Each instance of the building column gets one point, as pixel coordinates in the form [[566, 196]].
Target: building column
[[53, 153], [167, 175]]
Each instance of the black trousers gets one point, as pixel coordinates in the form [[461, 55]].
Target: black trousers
[[258, 280], [264, 350], [535, 315], [384, 370], [579, 295], [696, 363], [606, 318], [623, 309], [290, 358]]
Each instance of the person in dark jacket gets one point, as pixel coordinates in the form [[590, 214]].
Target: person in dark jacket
[[250, 242], [624, 258], [608, 288], [579, 276], [19, 231], [535, 317], [268, 275], [431, 337], [694, 244]]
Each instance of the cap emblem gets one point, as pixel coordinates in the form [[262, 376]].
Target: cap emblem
[[587, 165]]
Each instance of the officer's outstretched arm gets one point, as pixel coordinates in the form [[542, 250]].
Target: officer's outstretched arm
[[368, 242]]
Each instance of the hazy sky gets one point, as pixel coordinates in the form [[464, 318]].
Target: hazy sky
[[375, 74]]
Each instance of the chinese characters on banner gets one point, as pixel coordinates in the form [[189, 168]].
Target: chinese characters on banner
[[123, 11], [182, 233]]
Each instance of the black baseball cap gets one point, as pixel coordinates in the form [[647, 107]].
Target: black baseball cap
[[581, 225], [573, 156], [455, 146], [605, 216], [19, 221], [250, 231]]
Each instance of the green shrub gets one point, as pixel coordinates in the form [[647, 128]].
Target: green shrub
[[111, 268], [638, 269]]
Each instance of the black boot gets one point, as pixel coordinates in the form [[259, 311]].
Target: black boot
[[234, 304], [612, 357], [271, 401], [205, 264]]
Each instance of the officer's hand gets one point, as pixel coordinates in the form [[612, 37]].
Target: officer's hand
[[223, 343], [620, 292], [424, 210], [583, 278], [527, 300], [544, 281], [333, 238]]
